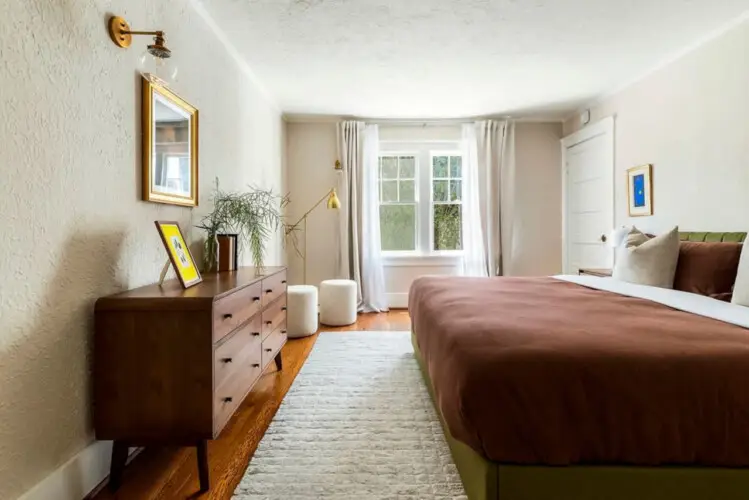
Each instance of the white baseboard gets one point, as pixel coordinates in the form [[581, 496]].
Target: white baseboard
[[398, 300], [77, 477]]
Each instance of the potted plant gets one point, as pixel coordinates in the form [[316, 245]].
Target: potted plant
[[254, 215]]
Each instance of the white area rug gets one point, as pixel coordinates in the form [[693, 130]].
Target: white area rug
[[357, 423]]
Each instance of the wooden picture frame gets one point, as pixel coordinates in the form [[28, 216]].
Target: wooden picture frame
[[179, 253], [170, 130], [640, 191]]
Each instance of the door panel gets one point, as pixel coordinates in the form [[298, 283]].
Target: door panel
[[589, 202]]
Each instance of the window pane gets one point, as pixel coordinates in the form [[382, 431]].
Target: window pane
[[398, 227], [447, 227], [456, 193], [439, 166], [408, 191], [389, 191], [407, 167], [440, 190], [456, 166], [389, 167]]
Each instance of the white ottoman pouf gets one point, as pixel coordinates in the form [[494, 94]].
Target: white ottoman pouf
[[301, 311], [338, 302]]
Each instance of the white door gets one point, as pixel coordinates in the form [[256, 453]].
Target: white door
[[589, 198]]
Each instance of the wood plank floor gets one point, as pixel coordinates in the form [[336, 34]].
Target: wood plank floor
[[171, 473]]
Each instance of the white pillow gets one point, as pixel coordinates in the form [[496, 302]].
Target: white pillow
[[648, 261], [741, 288]]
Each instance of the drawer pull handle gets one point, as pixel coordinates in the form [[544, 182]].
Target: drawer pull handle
[[283, 331], [283, 308], [255, 334], [283, 282], [269, 290], [256, 299], [255, 365], [228, 316], [226, 360], [228, 400], [268, 323], [269, 350]]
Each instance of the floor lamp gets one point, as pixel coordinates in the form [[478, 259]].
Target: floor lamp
[[333, 204]]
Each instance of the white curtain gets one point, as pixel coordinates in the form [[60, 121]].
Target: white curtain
[[491, 203], [475, 262], [360, 255]]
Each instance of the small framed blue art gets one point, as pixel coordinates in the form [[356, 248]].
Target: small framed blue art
[[640, 191]]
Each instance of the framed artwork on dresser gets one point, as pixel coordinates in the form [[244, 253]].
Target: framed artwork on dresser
[[179, 253]]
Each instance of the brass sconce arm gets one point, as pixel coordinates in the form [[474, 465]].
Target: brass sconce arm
[[122, 36], [153, 33]]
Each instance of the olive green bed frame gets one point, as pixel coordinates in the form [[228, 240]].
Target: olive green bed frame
[[487, 480]]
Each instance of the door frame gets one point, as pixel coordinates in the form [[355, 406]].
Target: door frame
[[603, 128]]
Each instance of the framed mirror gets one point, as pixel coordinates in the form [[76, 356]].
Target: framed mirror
[[170, 147]]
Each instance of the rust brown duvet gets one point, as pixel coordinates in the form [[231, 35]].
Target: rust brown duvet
[[545, 372]]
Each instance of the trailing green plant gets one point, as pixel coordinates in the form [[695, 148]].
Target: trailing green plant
[[254, 215]]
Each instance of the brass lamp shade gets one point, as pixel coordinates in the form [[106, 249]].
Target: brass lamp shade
[[333, 202]]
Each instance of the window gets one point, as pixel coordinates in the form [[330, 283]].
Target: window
[[447, 196], [421, 193], [398, 203]]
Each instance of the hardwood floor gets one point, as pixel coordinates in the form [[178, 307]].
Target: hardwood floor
[[171, 473]]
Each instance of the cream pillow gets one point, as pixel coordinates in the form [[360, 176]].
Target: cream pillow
[[741, 288], [648, 261]]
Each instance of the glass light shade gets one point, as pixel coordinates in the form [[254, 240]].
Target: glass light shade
[[158, 70]]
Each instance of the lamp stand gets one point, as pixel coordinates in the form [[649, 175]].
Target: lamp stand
[[304, 255], [333, 203]]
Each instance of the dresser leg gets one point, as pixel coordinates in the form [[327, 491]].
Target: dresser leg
[[117, 467], [279, 362], [205, 483]]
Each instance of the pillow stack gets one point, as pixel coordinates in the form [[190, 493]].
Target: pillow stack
[[650, 261], [708, 268]]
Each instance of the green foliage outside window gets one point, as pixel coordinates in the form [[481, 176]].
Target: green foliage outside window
[[398, 210]]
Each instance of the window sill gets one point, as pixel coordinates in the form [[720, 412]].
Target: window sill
[[416, 259]]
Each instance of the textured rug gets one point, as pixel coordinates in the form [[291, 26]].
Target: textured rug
[[357, 423]]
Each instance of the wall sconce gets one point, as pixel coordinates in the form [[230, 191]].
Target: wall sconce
[[156, 63]]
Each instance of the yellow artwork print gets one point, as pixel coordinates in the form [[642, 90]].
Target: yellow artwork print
[[180, 254]]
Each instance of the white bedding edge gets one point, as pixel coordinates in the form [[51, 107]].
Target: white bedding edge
[[683, 301]]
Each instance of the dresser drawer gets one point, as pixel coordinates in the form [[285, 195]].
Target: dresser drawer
[[232, 355], [273, 287], [274, 317], [229, 395], [231, 311], [272, 344]]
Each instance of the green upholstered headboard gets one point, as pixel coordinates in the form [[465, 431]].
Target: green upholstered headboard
[[713, 237]]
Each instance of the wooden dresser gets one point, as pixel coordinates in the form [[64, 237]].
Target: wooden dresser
[[171, 365]]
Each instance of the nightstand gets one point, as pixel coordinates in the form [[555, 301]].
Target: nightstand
[[601, 273]]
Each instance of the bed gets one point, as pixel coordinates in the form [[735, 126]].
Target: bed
[[586, 388]]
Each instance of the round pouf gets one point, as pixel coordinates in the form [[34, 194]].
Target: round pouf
[[338, 302], [301, 311]]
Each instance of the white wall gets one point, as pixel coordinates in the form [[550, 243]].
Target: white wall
[[690, 120], [537, 229], [311, 152], [74, 227], [311, 155]]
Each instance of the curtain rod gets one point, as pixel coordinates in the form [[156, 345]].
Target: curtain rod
[[432, 122]]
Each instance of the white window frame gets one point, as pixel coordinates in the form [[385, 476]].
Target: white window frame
[[432, 155], [417, 195], [423, 152]]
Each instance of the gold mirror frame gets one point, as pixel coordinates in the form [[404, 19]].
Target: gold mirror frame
[[148, 126]]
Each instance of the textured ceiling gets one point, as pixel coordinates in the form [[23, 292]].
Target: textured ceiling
[[454, 58]]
